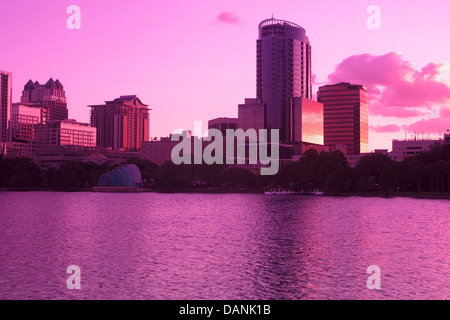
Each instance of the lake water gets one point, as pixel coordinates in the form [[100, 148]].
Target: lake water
[[222, 246]]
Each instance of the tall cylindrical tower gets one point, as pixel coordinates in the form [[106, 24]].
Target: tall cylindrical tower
[[283, 71]]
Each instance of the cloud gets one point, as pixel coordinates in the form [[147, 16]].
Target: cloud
[[386, 128], [431, 125], [228, 17], [395, 87]]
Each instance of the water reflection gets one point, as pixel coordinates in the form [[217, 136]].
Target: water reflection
[[203, 246]]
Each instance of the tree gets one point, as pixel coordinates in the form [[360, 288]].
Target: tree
[[388, 179], [416, 171], [19, 173], [371, 166]]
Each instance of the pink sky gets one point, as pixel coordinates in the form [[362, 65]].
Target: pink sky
[[196, 60]]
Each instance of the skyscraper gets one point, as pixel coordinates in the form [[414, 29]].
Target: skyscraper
[[346, 119], [50, 96], [5, 103], [283, 71], [122, 124]]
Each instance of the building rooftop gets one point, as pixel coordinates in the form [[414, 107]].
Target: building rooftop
[[273, 21], [344, 84]]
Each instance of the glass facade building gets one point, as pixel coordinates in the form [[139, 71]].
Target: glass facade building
[[307, 121], [283, 71], [346, 116]]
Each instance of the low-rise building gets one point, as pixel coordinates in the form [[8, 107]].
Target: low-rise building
[[53, 156], [64, 133]]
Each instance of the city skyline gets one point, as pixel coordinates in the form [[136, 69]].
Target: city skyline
[[198, 151], [189, 79]]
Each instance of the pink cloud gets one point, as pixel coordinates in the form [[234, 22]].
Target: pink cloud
[[228, 17], [386, 128], [395, 87], [432, 125]]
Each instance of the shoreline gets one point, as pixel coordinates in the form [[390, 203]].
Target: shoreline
[[374, 194]]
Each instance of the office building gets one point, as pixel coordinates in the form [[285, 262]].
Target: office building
[[50, 96], [283, 71], [223, 124], [158, 151], [23, 119], [122, 124], [402, 149], [64, 133], [5, 104], [307, 121], [345, 109], [251, 115]]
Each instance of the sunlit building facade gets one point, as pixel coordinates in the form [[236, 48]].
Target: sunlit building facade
[[307, 121], [23, 119], [122, 124], [346, 116], [64, 133]]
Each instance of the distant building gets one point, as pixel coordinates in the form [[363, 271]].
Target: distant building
[[5, 104], [23, 118], [53, 156], [158, 151], [50, 96], [13, 149], [251, 115], [21, 129], [64, 133], [345, 108], [122, 124], [307, 121], [402, 149], [223, 124], [283, 71]]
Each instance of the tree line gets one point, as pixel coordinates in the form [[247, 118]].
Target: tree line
[[326, 171]]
